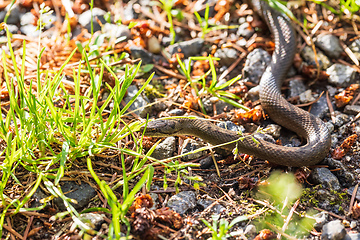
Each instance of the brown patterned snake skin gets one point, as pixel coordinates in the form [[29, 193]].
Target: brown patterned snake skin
[[303, 123]]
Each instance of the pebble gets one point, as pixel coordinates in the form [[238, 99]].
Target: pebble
[[93, 220], [14, 17], [346, 178], [176, 112], [353, 224], [352, 236], [250, 231], [320, 220], [188, 48], [182, 202], [340, 119], [351, 190], [330, 44], [27, 18], [165, 149], [227, 56], [12, 29], [217, 208], [333, 230], [154, 45], [85, 19], [320, 108], [229, 125], [82, 193], [255, 65], [139, 105], [116, 31], [306, 96], [296, 87], [30, 30], [36, 197], [330, 126], [145, 56], [273, 130], [341, 75], [326, 178], [245, 30], [352, 109], [190, 145], [308, 55], [355, 48]]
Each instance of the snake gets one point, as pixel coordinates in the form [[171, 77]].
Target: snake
[[304, 124]]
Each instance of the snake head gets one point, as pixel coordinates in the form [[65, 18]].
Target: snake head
[[162, 128]]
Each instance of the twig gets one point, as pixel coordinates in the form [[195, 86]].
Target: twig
[[331, 109], [26, 233], [353, 199], [330, 213], [292, 210]]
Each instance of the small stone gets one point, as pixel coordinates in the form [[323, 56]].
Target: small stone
[[255, 64], [82, 193], [351, 190], [320, 108], [182, 201], [229, 125], [138, 52], [330, 44], [352, 109], [93, 220], [353, 224], [306, 96], [214, 99], [227, 56], [296, 87], [245, 30], [308, 55], [346, 178], [188, 48], [355, 48], [165, 149], [154, 45], [176, 112], [12, 29], [217, 208], [330, 126], [333, 230], [352, 236], [273, 130], [320, 220], [191, 145], [340, 75], [27, 18], [139, 105], [254, 93], [97, 15], [340, 119], [326, 178], [30, 30], [250, 231], [206, 163], [14, 17], [116, 31]]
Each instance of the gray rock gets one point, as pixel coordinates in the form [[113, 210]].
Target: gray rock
[[30, 30], [320, 218], [222, 106], [245, 30], [14, 17], [341, 75], [353, 224], [139, 105], [326, 178], [355, 48], [229, 125], [12, 29], [191, 145], [129, 12], [330, 126], [255, 64], [241, 42], [93, 220], [250, 231], [154, 45], [85, 19], [352, 236], [81, 193], [273, 130], [165, 149], [206, 163], [308, 55], [340, 119], [208, 105], [306, 96], [333, 230], [27, 18], [217, 208], [145, 56], [188, 48], [265, 137], [351, 190], [116, 31], [254, 93], [296, 87], [182, 201], [37, 197], [352, 109], [176, 112], [320, 108], [345, 177], [330, 44], [227, 56]]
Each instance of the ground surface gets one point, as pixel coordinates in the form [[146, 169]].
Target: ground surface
[[65, 136]]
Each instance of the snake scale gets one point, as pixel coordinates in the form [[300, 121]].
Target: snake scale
[[282, 112]]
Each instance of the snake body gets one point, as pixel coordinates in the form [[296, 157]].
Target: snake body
[[282, 112]]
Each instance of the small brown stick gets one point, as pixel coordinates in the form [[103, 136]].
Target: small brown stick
[[12, 231], [331, 109], [292, 210], [26, 233], [330, 213], [351, 55], [311, 103], [169, 72], [352, 199]]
